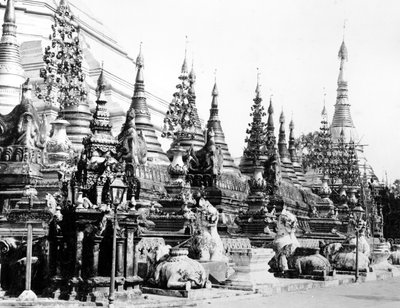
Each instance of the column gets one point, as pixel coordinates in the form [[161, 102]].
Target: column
[[96, 252], [120, 256]]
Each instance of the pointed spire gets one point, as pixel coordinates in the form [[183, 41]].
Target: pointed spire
[[282, 122], [292, 147], [192, 81], [139, 67], [101, 85], [324, 113], [192, 74], [258, 91], [270, 123], [9, 26], [9, 15], [184, 65], [214, 124], [214, 93], [101, 117], [342, 120]]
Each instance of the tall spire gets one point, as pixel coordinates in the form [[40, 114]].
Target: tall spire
[[214, 123], [254, 153], [342, 116], [184, 69], [188, 82], [12, 74], [287, 168], [214, 93], [100, 124], [9, 15], [258, 91], [142, 115], [293, 155], [140, 66]]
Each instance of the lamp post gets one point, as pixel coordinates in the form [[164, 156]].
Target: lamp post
[[358, 212], [117, 189]]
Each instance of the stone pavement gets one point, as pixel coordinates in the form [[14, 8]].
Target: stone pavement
[[342, 292], [379, 294]]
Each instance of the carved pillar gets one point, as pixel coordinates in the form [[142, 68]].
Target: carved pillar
[[99, 191], [120, 256], [130, 249], [96, 253], [78, 256]]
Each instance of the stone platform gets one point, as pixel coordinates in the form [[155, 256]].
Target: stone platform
[[158, 301]]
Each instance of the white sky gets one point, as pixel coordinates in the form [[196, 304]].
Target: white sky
[[295, 45]]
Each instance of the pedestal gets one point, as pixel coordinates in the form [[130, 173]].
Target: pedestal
[[251, 269]]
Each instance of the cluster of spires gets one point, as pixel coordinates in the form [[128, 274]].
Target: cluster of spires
[[289, 161], [9, 55]]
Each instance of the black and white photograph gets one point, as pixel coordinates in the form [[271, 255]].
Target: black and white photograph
[[200, 153]]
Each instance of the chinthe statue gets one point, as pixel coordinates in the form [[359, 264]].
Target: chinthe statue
[[207, 244]]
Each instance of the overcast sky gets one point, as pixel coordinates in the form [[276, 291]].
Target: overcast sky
[[293, 43]]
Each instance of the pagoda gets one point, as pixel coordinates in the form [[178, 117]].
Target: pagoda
[[155, 153], [215, 123], [12, 74]]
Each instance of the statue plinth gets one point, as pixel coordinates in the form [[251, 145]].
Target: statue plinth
[[251, 269]]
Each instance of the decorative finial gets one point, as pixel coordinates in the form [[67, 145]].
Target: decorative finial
[[140, 59], [184, 65], [270, 108], [258, 92], [26, 89], [215, 89], [9, 15], [101, 84], [344, 28], [282, 117], [324, 113], [291, 124], [192, 75]]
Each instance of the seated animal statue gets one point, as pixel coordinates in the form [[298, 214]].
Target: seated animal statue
[[288, 254], [285, 242], [132, 145], [363, 245], [173, 269], [207, 160], [207, 244], [343, 256]]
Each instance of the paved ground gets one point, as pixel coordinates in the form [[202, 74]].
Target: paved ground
[[379, 294]]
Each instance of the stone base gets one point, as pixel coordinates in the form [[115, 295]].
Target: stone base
[[217, 271], [27, 295], [315, 275], [190, 294], [251, 269]]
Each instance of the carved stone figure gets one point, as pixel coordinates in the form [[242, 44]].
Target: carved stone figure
[[172, 269], [21, 125], [207, 160], [285, 242], [394, 257], [207, 244], [132, 145]]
